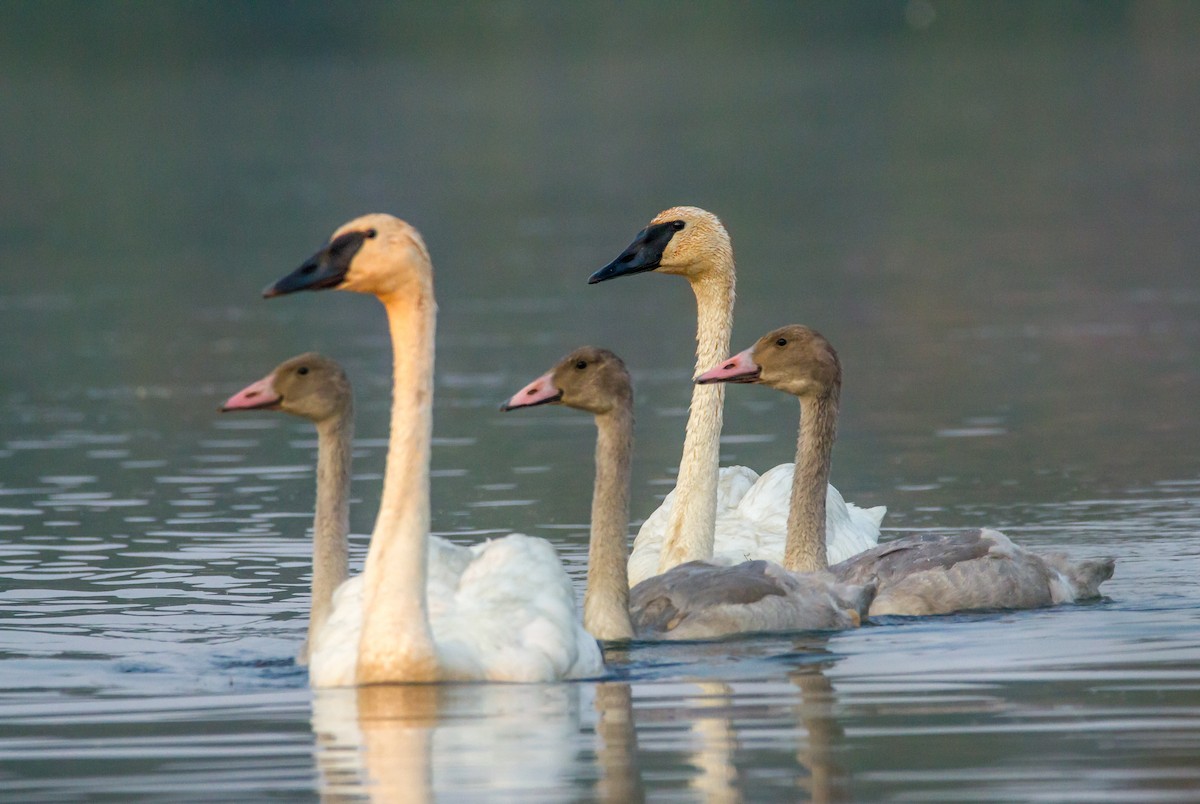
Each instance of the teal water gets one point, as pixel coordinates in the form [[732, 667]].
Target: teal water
[[990, 211]]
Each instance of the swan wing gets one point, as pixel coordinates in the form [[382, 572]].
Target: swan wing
[[849, 529], [514, 617], [502, 610], [698, 600], [752, 514], [983, 569], [333, 656], [752, 523], [732, 484], [764, 509]]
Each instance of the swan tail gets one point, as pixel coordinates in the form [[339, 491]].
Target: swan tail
[[858, 598], [1082, 578], [851, 530], [1086, 576], [876, 514], [866, 520]]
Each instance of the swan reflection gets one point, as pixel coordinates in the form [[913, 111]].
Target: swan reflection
[[421, 742], [617, 747], [733, 723], [581, 741], [719, 715]]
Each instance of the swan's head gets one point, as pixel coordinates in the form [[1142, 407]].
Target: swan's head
[[588, 379], [378, 254], [681, 240], [794, 359], [308, 385]]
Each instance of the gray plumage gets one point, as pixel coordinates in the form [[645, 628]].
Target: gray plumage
[[915, 575], [983, 569], [697, 600]]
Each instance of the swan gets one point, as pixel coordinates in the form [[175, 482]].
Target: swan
[[694, 600], [509, 615], [916, 575], [316, 388], [723, 515], [596, 381]]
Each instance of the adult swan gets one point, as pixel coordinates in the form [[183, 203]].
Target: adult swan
[[721, 515], [512, 615]]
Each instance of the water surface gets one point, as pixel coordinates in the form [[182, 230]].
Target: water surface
[[990, 210]]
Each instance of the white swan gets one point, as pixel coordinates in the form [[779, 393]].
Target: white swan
[[695, 600], [729, 514], [509, 615], [916, 575]]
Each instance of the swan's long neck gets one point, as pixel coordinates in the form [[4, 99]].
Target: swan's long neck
[[691, 529], [804, 550], [606, 601], [331, 523], [396, 643]]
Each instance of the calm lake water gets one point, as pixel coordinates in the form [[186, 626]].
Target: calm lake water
[[991, 210]]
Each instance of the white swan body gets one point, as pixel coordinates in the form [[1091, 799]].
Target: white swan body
[[713, 522], [752, 513], [498, 611], [424, 610]]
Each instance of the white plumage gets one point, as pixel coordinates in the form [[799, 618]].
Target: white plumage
[[425, 610], [503, 610], [752, 514]]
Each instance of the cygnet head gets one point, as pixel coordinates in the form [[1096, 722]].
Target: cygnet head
[[793, 359], [308, 385], [378, 254], [688, 241], [590, 379]]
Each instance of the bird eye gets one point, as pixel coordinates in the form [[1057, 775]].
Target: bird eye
[[302, 370], [581, 364], [370, 233], [678, 225], [781, 342]]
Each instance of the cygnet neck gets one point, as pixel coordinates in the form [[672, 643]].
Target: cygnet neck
[[606, 601], [331, 522], [804, 549]]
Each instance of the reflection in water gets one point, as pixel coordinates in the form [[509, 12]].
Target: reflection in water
[[827, 781], [616, 752], [717, 777], [993, 216], [817, 735], [376, 739], [418, 742]]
